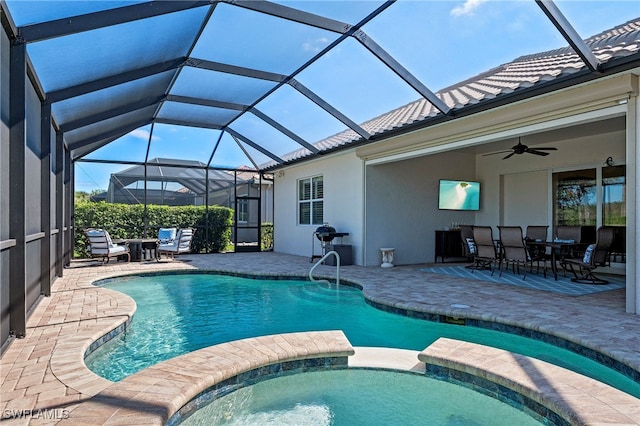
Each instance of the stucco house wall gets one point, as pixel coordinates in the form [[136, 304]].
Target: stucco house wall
[[343, 205], [517, 191], [402, 205]]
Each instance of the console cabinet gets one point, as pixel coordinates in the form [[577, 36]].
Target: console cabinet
[[448, 244]]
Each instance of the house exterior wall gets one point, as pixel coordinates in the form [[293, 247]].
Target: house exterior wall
[[506, 202], [343, 205], [587, 124], [524, 199], [402, 205]]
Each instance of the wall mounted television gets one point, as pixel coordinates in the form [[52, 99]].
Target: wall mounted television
[[459, 195]]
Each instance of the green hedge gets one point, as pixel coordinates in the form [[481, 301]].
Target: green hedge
[[266, 237], [127, 221]]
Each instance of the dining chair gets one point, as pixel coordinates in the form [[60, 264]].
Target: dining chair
[[595, 256], [538, 252], [569, 234], [486, 252], [514, 250], [537, 232], [467, 242]]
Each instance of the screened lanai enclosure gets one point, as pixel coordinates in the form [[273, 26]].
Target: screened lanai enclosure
[[166, 182], [207, 103]]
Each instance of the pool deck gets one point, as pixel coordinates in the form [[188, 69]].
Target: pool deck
[[44, 379]]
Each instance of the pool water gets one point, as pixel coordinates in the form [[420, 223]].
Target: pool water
[[178, 314], [357, 397]]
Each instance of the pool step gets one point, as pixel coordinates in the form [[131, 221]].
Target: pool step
[[320, 292]]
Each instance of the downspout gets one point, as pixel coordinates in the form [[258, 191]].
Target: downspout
[[364, 213]]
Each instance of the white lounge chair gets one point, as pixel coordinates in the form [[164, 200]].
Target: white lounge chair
[[100, 245], [181, 244]]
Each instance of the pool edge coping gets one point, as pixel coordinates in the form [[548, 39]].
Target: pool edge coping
[[576, 398], [155, 394]]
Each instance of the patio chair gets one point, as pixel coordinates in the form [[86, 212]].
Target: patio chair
[[538, 252], [101, 245], [181, 244], [486, 251], [467, 242], [514, 250], [569, 234], [595, 256], [537, 233]]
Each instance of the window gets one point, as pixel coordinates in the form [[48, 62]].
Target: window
[[614, 203], [310, 201], [242, 206], [576, 200]]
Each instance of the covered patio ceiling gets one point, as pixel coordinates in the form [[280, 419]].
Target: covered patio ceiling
[[275, 82]]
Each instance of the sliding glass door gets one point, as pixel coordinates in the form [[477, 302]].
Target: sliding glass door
[[590, 198], [575, 197]]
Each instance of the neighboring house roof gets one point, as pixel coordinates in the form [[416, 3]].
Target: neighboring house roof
[[524, 72]]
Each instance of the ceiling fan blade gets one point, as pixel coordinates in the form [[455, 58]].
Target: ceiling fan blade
[[497, 152], [547, 149], [536, 152], [504, 158]]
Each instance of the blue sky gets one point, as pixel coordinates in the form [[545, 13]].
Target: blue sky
[[440, 42]]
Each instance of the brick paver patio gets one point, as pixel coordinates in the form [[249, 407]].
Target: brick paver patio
[[44, 378]]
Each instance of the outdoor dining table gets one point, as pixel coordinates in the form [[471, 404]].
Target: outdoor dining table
[[557, 248]]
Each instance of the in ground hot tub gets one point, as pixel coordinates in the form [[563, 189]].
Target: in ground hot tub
[[356, 397]]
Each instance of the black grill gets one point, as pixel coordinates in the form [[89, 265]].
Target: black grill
[[325, 233]]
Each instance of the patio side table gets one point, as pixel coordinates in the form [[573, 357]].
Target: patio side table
[[143, 249]]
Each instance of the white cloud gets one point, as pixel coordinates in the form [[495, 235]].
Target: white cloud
[[142, 134], [467, 8], [316, 45]]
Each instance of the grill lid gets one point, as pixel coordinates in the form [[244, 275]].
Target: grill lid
[[325, 232]]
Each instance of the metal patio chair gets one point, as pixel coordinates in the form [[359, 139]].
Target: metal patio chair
[[595, 256], [487, 253], [514, 249]]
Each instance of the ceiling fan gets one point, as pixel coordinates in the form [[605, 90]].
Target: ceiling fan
[[521, 149]]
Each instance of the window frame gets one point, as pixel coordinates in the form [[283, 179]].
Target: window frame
[[313, 201], [242, 208]]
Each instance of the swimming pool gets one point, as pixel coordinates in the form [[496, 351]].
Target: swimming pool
[[180, 313]]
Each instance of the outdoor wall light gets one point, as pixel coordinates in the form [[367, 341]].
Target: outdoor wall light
[[608, 162]]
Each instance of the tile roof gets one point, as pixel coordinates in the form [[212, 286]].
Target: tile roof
[[524, 72]]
